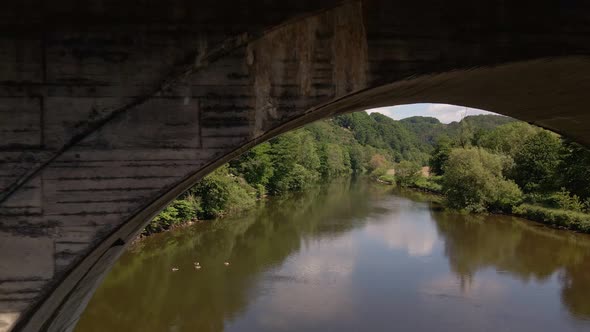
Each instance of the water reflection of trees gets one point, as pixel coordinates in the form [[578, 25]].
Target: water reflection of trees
[[524, 250], [142, 294]]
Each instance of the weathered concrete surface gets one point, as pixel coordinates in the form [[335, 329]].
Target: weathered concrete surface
[[110, 109]]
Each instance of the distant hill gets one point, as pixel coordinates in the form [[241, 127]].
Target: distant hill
[[485, 121], [481, 122], [427, 129], [414, 138]]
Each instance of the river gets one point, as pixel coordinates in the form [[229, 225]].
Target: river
[[350, 256]]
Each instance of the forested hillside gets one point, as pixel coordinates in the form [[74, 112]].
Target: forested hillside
[[414, 138], [355, 143]]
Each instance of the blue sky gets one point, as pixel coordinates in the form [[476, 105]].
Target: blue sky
[[444, 112]]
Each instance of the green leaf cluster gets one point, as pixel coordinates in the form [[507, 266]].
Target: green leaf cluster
[[474, 181]]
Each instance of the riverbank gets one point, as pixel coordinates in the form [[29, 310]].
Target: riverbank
[[223, 196], [487, 172], [180, 225], [557, 218], [562, 219], [291, 162], [183, 212]]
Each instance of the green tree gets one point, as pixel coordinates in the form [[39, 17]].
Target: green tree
[[222, 193], [440, 155], [296, 162], [334, 160], [508, 139], [407, 173], [357, 159], [256, 165], [574, 169], [536, 163], [474, 181], [363, 128], [466, 134]]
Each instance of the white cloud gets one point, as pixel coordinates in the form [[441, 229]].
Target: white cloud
[[444, 112], [326, 271], [415, 238]]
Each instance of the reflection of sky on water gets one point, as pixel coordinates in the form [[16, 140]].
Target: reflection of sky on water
[[312, 286], [393, 274], [491, 302], [351, 260], [416, 237]]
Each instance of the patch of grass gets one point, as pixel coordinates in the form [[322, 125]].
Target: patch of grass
[[428, 184], [573, 220], [387, 178]]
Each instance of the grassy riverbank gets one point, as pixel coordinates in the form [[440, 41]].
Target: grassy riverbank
[[545, 214], [560, 209]]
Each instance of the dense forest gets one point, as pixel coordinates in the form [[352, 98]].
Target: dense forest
[[482, 163]]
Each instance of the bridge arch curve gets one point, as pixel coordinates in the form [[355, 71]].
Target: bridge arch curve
[[113, 153]]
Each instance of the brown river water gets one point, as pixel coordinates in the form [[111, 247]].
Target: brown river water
[[350, 256]]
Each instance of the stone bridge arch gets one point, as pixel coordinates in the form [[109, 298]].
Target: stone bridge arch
[[110, 111]]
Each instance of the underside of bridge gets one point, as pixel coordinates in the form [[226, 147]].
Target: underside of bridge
[[110, 109]]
